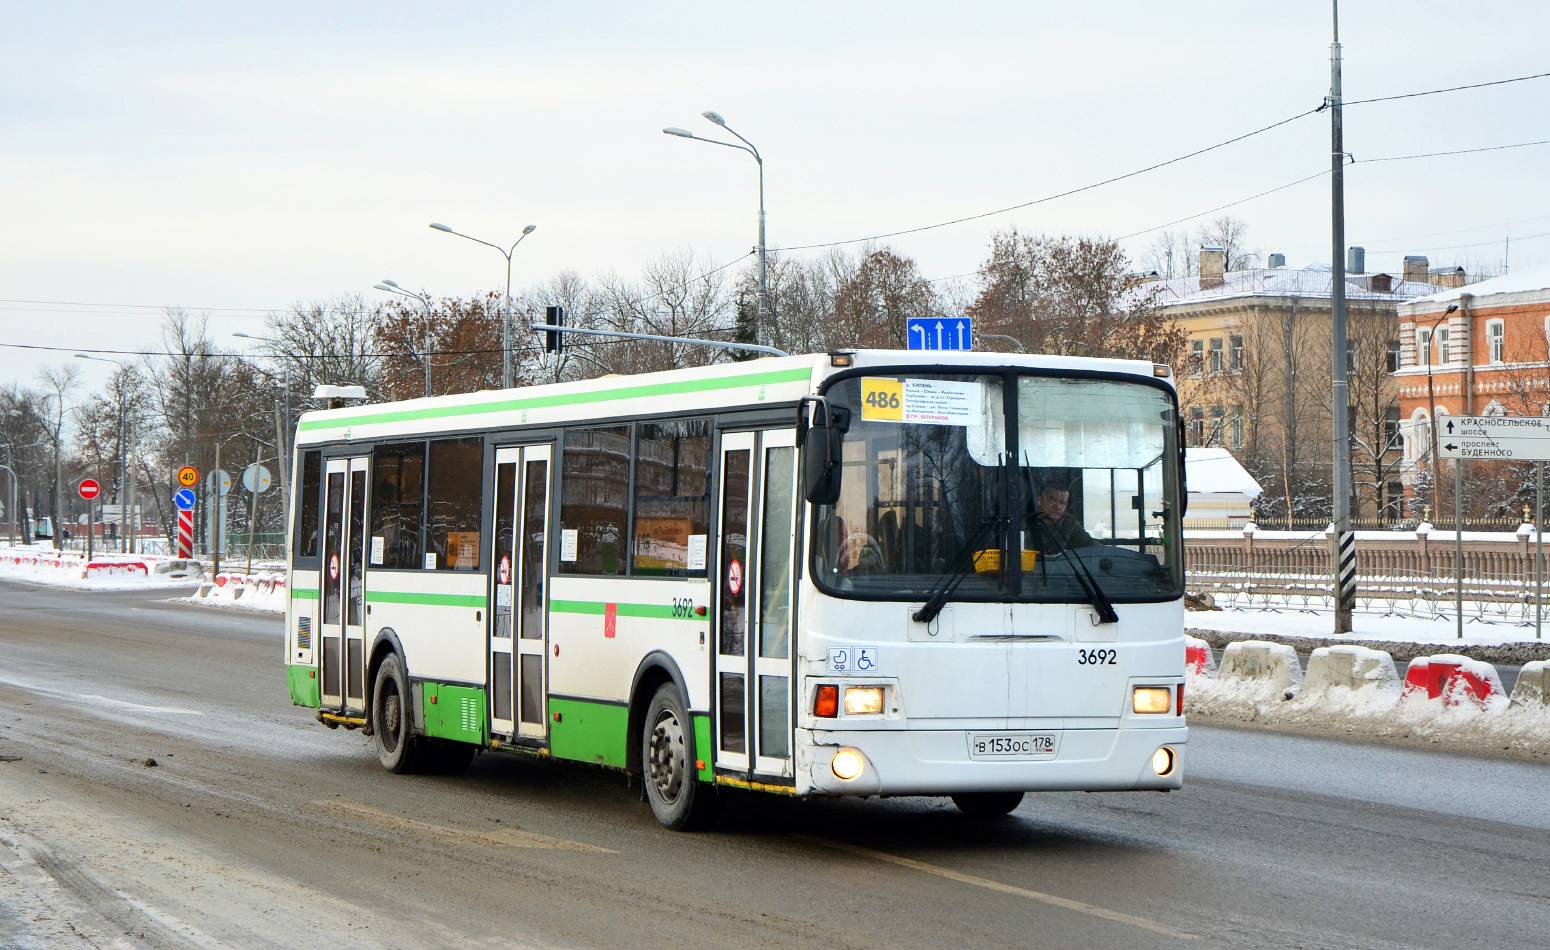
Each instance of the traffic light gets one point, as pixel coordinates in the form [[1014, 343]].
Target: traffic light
[[553, 339]]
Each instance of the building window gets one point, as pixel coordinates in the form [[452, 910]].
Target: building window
[[1391, 437], [1423, 347], [1218, 422], [1235, 426], [1197, 351], [1444, 355], [1216, 355], [1495, 338], [1393, 356], [1197, 426], [1395, 506], [1350, 356], [1235, 354]]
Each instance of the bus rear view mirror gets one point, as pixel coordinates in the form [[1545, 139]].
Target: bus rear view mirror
[[820, 442]]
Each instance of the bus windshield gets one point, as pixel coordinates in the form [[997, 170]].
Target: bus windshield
[[1079, 491]]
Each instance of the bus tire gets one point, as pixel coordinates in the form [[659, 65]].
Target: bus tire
[[987, 804], [678, 799], [392, 720]]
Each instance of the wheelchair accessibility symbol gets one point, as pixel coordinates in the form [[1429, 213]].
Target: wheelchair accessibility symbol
[[852, 659]]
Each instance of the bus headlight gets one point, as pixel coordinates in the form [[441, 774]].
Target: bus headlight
[[1162, 761], [863, 700], [1151, 699], [847, 764]]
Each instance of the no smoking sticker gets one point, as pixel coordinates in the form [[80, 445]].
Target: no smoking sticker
[[735, 577], [333, 567]]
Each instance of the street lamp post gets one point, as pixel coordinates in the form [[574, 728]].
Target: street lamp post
[[762, 327], [393, 288], [1431, 400], [1458, 517], [506, 318]]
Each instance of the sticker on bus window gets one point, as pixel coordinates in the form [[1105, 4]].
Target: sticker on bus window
[[378, 546], [568, 544], [697, 552], [937, 402], [430, 560]]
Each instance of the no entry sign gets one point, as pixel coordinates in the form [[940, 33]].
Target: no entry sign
[[89, 488]]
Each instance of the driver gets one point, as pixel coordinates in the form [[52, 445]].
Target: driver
[[1053, 527]]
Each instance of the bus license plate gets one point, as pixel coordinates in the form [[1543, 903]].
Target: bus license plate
[[1011, 745]]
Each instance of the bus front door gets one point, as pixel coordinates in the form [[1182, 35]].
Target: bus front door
[[755, 565], [344, 594], [519, 582]]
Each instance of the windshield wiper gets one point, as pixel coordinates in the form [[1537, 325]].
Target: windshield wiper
[[953, 575], [1090, 586]]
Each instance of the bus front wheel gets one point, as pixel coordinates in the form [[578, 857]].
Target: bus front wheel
[[392, 723], [987, 804], [678, 799]]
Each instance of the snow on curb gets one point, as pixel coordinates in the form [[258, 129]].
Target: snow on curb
[[104, 572], [263, 591]]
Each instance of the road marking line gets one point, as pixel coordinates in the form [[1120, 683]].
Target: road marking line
[[196, 937], [507, 837], [98, 700], [959, 876]]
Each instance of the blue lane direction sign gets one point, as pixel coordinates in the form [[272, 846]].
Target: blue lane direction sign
[[940, 333], [184, 499]]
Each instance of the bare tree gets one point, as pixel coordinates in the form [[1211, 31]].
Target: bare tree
[[677, 295], [59, 384], [874, 307], [1172, 254], [1230, 234]]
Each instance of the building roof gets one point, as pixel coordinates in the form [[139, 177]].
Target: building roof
[[1312, 281], [1215, 471], [1528, 280]]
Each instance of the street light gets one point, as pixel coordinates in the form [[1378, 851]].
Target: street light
[[393, 288], [125, 493], [747, 146], [1431, 399], [506, 320]]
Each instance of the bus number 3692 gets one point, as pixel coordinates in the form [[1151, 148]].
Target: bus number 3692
[[1097, 657]]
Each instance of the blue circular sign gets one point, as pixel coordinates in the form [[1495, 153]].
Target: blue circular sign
[[184, 499]]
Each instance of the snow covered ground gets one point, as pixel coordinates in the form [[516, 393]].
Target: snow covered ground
[[1291, 622], [44, 565]]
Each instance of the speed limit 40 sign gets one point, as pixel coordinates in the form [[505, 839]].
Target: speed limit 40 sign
[[188, 476]]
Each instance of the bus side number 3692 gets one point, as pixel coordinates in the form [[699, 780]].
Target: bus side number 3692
[[1097, 657]]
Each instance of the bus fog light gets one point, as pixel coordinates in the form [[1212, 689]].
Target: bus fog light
[[846, 764], [863, 700], [1151, 699], [1162, 761]]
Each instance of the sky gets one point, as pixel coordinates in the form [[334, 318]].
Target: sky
[[236, 161]]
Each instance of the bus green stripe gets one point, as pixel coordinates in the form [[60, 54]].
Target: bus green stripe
[[303, 593], [430, 600], [565, 399], [595, 608]]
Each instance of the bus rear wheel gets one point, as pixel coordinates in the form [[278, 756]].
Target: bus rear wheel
[[987, 804], [392, 725], [678, 799]]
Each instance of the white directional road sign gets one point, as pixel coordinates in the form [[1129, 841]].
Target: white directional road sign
[[255, 478], [1508, 438]]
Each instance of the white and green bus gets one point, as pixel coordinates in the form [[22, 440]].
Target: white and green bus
[[857, 573]]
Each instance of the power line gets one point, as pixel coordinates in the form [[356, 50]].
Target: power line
[[1434, 92], [1454, 247], [1460, 151], [1063, 194], [1224, 207]]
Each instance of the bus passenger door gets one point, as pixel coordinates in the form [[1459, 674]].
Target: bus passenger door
[[754, 591], [518, 627], [343, 586]]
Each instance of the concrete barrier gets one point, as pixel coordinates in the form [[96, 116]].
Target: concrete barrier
[[1272, 664], [115, 569], [1353, 668], [1456, 680], [1533, 686], [1198, 660]]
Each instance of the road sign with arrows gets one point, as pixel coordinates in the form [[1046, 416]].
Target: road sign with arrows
[[1506, 438], [940, 333]]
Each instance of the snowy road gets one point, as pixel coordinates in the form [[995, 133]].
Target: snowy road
[[256, 827]]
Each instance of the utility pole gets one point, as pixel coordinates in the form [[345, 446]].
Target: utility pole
[[1343, 551]]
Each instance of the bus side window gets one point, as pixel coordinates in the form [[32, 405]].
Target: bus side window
[[454, 496], [306, 531], [672, 499], [594, 500], [397, 505]]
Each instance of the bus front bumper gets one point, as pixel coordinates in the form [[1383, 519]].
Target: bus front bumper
[[938, 762]]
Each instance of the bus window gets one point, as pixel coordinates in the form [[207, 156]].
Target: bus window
[[454, 498], [306, 533], [398, 485], [672, 499], [594, 497]]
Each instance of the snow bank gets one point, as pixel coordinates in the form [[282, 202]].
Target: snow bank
[[103, 572], [263, 590]]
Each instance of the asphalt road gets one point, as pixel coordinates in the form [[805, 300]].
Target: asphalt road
[[256, 827]]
